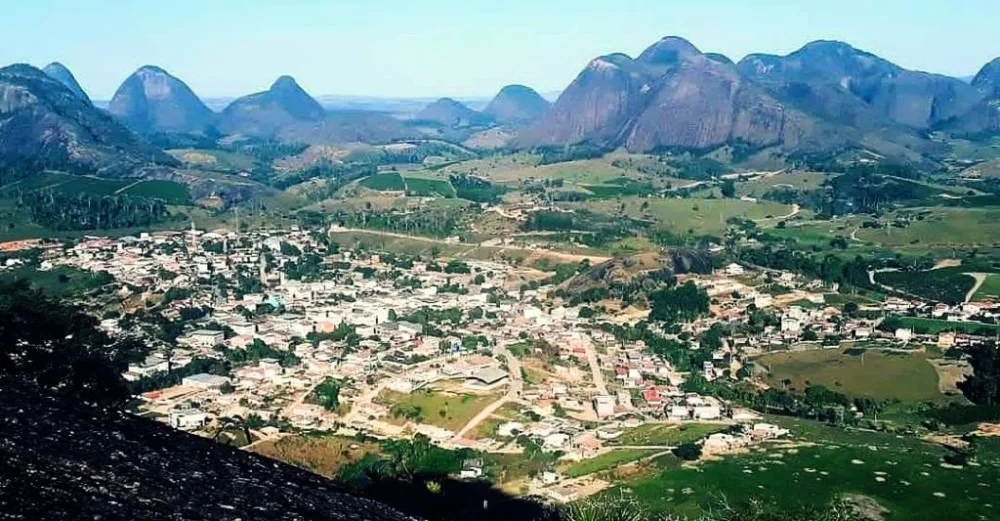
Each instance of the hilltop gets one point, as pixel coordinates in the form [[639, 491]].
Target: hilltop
[[151, 100]]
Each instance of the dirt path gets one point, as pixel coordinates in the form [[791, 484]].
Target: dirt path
[[126, 187], [796, 209], [513, 393], [980, 279]]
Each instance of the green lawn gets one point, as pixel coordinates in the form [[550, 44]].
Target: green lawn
[[606, 461], [444, 410], [930, 326], [667, 434], [990, 288], [60, 282], [390, 181], [905, 478], [878, 375]]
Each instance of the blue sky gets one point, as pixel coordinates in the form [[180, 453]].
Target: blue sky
[[460, 48]]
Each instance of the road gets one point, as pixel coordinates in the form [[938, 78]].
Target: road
[[513, 392], [980, 279], [595, 367]]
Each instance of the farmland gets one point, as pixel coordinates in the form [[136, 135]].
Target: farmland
[[947, 285], [990, 288], [682, 216], [428, 187], [389, 181], [877, 375], [69, 184], [941, 226]]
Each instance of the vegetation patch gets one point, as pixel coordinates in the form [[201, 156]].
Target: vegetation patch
[[445, 410], [947, 285], [872, 374], [387, 182], [429, 187], [666, 434], [606, 461], [324, 455]]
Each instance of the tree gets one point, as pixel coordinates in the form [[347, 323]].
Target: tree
[[683, 303], [60, 350], [688, 452], [728, 188]]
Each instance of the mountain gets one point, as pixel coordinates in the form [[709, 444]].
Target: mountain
[[517, 104], [151, 101], [266, 113], [68, 461], [44, 124], [450, 113], [672, 95], [915, 99], [347, 126], [61, 74], [984, 117]]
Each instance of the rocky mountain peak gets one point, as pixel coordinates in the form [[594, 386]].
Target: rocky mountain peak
[[151, 100], [61, 73]]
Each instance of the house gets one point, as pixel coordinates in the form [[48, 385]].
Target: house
[[471, 469], [734, 269], [946, 340], [205, 381], [604, 405], [188, 419], [707, 412], [904, 334], [203, 338]]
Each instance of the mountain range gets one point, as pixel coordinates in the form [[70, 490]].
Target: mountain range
[[822, 99]]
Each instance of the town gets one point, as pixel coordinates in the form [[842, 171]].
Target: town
[[276, 332]]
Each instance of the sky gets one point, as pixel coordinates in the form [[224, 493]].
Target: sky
[[429, 48]]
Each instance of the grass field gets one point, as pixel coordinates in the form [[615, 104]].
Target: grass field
[[990, 288], [698, 216], [606, 461], [930, 326], [214, 159], [324, 455], [69, 184], [667, 434], [792, 180], [905, 478], [445, 410], [944, 226], [389, 181], [428, 187], [60, 282], [878, 375], [169, 191]]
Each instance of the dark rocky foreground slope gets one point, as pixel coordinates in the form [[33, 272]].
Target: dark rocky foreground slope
[[60, 461]]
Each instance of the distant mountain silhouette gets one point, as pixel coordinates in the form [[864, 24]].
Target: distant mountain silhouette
[[266, 113], [450, 113], [517, 104], [151, 100], [43, 123], [64, 76]]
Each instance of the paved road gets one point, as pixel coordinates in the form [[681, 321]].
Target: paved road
[[513, 392]]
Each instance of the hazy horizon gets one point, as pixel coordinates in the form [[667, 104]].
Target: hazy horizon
[[396, 49]]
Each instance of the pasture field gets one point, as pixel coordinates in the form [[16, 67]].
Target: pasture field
[[222, 160], [446, 410], [681, 216], [389, 181], [421, 186], [59, 282], [324, 455], [930, 326], [606, 461], [878, 375], [990, 288], [904, 476], [943, 226], [792, 180], [169, 191], [666, 434]]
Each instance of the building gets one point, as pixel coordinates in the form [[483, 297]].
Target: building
[[205, 381], [604, 405], [204, 338], [188, 419]]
